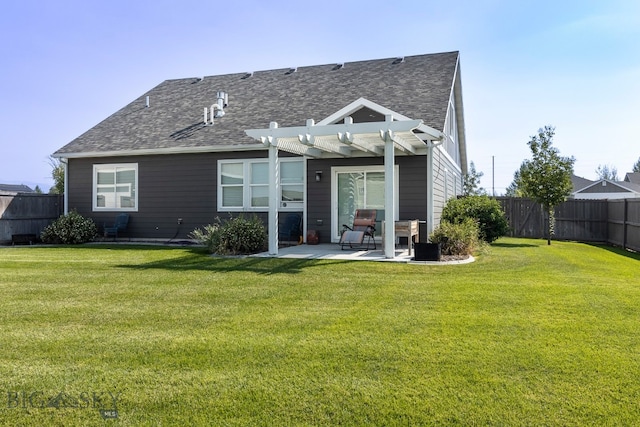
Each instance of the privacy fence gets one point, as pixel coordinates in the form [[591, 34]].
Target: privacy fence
[[607, 221], [23, 216]]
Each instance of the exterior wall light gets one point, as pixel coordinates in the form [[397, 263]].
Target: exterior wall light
[[318, 176]]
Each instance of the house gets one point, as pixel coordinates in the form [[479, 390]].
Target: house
[[15, 188], [605, 189], [323, 140]]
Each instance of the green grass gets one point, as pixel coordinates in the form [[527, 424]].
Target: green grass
[[526, 335]]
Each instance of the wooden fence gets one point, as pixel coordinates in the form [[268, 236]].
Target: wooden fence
[[27, 214], [607, 221]]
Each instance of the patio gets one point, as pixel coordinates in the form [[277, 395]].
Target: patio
[[332, 251]]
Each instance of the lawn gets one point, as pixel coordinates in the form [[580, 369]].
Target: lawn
[[529, 334]]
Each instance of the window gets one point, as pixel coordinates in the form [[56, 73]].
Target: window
[[244, 184], [115, 187]]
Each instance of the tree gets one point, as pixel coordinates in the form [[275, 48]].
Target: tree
[[607, 172], [515, 188], [57, 173], [546, 177], [636, 166], [471, 182], [37, 190]]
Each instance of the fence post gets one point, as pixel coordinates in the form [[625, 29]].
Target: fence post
[[625, 220]]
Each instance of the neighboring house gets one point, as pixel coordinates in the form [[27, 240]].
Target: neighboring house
[[604, 189], [323, 140], [15, 188]]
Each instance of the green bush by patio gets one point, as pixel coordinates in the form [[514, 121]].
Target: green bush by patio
[[236, 235], [526, 335], [485, 210]]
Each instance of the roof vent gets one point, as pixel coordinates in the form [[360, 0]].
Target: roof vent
[[398, 60], [338, 66], [292, 70], [217, 109], [246, 76]]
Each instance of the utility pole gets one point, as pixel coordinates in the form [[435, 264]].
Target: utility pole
[[493, 175]]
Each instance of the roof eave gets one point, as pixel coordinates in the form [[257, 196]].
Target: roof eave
[[160, 151]]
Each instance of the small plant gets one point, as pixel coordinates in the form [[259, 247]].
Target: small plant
[[457, 239], [486, 211], [235, 236], [71, 228]]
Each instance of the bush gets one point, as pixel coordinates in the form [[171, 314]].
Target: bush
[[457, 239], [237, 235], [485, 210], [71, 228]]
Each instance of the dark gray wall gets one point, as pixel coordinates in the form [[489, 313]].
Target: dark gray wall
[[184, 186], [413, 190], [169, 187]]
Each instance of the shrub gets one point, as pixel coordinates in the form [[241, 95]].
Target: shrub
[[71, 228], [485, 210], [237, 235], [457, 239]]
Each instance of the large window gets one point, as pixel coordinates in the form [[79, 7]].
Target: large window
[[243, 185], [115, 187]]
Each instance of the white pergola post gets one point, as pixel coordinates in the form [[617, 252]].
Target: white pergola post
[[274, 182], [389, 195]]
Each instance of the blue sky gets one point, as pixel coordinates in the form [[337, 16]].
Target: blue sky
[[67, 65]]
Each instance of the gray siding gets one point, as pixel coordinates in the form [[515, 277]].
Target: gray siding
[[609, 188], [169, 187], [185, 186]]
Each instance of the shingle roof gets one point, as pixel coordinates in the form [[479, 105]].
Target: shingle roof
[[418, 87], [632, 177], [579, 182], [15, 188]]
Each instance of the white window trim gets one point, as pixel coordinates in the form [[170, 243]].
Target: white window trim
[[113, 166], [246, 187], [334, 191]]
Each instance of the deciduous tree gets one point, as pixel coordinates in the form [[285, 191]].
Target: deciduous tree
[[607, 172], [546, 177], [57, 173]]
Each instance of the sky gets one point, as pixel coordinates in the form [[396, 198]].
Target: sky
[[574, 65]]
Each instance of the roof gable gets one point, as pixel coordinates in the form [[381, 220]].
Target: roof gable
[[632, 177], [172, 121], [607, 186]]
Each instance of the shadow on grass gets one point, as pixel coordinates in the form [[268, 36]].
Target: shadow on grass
[[199, 260], [617, 250], [513, 245]]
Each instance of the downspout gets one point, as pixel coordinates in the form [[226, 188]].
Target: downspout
[[430, 185]]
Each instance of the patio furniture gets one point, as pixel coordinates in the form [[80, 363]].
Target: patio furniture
[[364, 226], [405, 228], [119, 226]]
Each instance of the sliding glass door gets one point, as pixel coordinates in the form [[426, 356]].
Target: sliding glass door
[[357, 188]]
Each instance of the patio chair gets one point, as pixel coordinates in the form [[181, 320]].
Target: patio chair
[[120, 225], [364, 226], [292, 229]]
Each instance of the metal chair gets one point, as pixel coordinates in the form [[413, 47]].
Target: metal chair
[[364, 226], [120, 225]]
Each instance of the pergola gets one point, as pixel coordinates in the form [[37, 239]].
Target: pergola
[[329, 140]]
